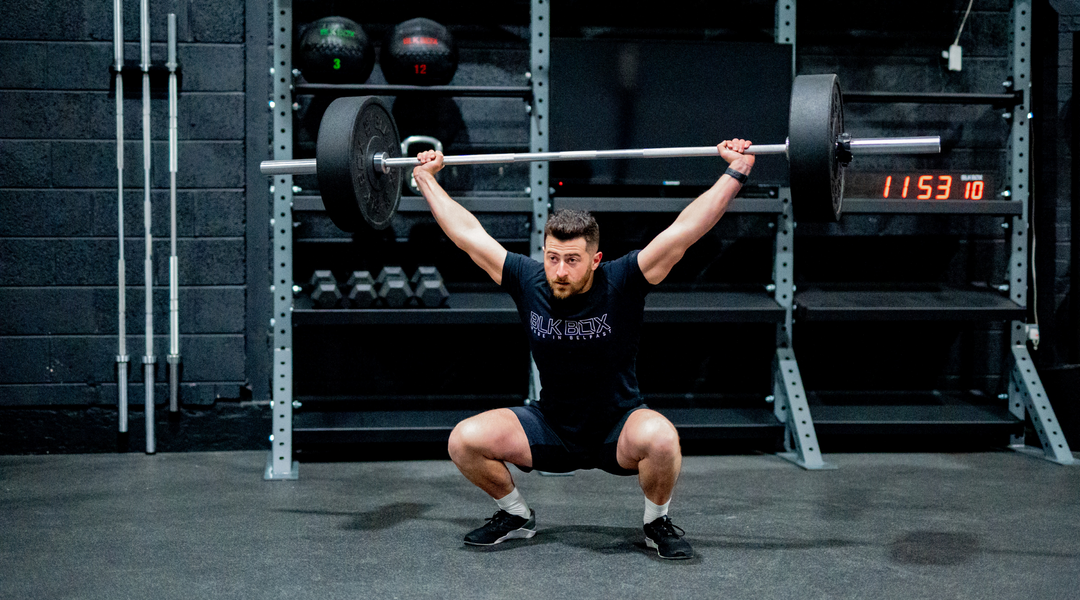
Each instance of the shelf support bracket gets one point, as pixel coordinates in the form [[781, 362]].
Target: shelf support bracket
[[791, 409], [1027, 395]]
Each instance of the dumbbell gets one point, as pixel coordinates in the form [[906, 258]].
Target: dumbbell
[[428, 287], [394, 288], [360, 290], [324, 289], [320, 276]]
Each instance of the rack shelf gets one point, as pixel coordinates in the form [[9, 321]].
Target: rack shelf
[[329, 427], [472, 202], [922, 303], [435, 425], [712, 307], [670, 205], [1006, 100], [498, 308], [853, 206], [916, 420], [385, 426], [514, 203], [459, 91], [461, 309], [712, 423]]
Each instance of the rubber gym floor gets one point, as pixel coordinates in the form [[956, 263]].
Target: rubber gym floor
[[206, 525]]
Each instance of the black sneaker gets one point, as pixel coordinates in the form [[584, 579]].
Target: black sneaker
[[666, 537], [503, 526]]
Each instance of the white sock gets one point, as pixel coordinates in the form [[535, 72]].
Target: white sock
[[654, 511], [514, 504]]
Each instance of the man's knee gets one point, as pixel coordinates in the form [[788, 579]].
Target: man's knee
[[658, 437], [467, 437]]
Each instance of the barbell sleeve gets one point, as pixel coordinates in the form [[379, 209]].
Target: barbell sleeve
[[383, 163], [900, 145], [296, 166]]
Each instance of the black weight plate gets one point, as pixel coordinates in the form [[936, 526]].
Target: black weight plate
[[815, 123], [352, 130]]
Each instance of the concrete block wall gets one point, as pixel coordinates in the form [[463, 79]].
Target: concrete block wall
[[58, 203]]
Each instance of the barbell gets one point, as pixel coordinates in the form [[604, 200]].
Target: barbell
[[359, 164]]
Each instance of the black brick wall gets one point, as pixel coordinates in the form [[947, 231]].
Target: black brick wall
[[58, 213]]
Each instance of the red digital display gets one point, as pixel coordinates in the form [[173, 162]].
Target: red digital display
[[927, 185]]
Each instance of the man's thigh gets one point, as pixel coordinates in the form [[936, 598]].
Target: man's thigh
[[499, 435]]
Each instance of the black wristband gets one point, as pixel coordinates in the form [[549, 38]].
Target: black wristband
[[737, 176]]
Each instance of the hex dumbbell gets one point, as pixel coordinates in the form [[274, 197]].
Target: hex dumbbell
[[429, 287], [360, 290], [394, 288], [324, 289]]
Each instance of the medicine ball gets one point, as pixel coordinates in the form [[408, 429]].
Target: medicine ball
[[335, 50], [419, 52]]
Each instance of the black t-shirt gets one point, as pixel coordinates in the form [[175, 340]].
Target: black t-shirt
[[585, 346]]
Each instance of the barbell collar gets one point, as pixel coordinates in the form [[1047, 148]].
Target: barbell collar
[[383, 164]]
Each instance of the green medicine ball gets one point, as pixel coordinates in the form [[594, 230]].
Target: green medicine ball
[[335, 50]]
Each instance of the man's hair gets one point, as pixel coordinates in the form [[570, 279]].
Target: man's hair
[[565, 225]]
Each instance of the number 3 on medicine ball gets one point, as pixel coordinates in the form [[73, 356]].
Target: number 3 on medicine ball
[[419, 52], [335, 50]]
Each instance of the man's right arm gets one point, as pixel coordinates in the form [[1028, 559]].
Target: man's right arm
[[460, 225]]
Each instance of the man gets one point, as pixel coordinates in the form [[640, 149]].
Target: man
[[585, 320]]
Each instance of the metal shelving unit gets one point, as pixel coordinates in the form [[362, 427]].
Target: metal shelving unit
[[465, 307], [780, 305], [943, 413]]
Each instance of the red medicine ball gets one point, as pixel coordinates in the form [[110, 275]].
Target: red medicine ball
[[419, 52]]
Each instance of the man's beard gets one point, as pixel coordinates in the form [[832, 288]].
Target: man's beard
[[568, 288]]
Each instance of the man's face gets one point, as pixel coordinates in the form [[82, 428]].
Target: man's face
[[569, 266]]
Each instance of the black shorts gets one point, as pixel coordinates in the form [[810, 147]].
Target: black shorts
[[551, 454]]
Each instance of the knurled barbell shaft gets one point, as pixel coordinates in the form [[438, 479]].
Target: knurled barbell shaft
[[902, 145]]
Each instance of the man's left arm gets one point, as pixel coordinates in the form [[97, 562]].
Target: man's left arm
[[658, 258]]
